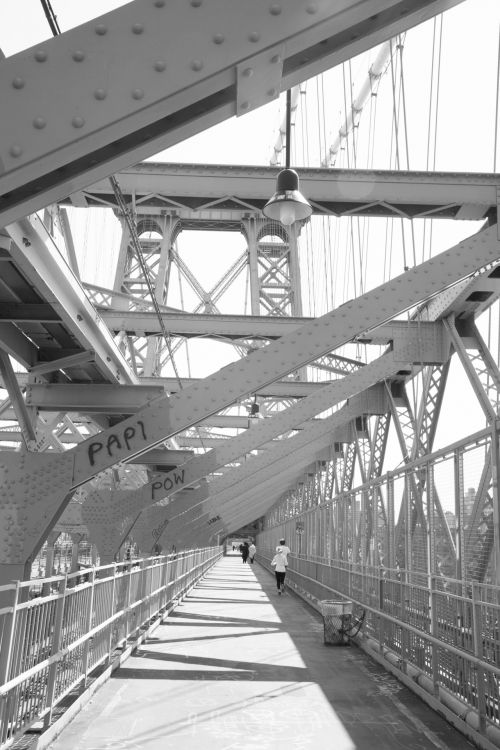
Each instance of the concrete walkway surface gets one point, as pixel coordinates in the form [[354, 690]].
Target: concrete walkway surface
[[237, 667]]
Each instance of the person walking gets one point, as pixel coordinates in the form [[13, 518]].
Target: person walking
[[244, 551], [279, 563], [251, 552]]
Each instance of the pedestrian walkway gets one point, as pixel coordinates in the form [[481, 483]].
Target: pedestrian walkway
[[236, 666]]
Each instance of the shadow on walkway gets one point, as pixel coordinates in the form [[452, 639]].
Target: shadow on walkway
[[252, 672]]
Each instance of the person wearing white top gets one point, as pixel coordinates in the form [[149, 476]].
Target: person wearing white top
[[279, 563], [284, 548]]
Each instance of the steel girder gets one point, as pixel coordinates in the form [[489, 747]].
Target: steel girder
[[265, 430], [482, 535], [200, 466], [171, 415], [194, 190], [294, 452], [249, 501], [54, 478], [416, 442], [176, 76], [33, 252]]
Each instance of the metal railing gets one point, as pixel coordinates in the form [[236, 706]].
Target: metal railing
[[53, 637], [444, 636]]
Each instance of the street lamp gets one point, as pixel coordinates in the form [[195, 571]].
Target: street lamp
[[287, 205]]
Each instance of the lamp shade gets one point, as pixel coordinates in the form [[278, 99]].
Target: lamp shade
[[287, 205]]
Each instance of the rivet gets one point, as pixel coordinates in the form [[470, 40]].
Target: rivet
[[18, 82], [78, 55], [312, 9], [272, 92], [218, 38], [244, 105], [137, 28], [196, 3], [78, 122], [101, 29], [160, 65], [100, 94], [137, 94], [159, 3], [196, 65], [248, 72], [276, 59], [275, 9], [39, 123], [40, 55], [254, 36], [15, 150]]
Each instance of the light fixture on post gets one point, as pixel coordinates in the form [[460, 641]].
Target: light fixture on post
[[287, 205], [253, 410]]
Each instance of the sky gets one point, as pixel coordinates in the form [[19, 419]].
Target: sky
[[443, 83]]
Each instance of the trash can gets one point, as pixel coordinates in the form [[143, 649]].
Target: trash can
[[336, 621]]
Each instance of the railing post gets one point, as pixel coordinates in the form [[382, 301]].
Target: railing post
[[150, 587], [381, 621], [128, 618], [478, 653], [404, 633], [56, 645], [88, 626], [7, 641], [112, 612], [434, 632], [164, 582]]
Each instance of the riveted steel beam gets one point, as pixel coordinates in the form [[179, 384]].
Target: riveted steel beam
[[33, 252], [193, 188], [110, 92], [168, 416], [107, 399]]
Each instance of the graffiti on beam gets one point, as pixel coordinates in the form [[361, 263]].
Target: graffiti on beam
[[213, 520], [165, 485], [118, 441], [156, 533]]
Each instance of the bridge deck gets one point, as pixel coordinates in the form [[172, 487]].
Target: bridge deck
[[237, 666]]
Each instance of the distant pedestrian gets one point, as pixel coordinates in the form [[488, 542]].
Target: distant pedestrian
[[279, 563], [284, 548], [251, 552], [244, 551]]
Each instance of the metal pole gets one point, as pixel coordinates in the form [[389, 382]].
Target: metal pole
[[288, 128], [56, 645]]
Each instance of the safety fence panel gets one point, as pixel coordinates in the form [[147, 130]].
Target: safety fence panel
[[59, 629], [445, 636]]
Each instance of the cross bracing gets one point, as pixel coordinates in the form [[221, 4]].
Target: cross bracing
[[79, 342]]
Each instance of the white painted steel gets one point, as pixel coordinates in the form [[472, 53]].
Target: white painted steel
[[461, 195], [103, 103], [91, 613], [34, 253], [169, 416]]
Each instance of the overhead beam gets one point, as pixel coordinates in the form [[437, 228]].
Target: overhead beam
[[139, 323], [232, 326], [22, 312], [16, 398], [128, 399], [168, 416], [33, 252], [191, 189], [103, 103]]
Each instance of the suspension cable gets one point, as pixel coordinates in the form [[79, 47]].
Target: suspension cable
[[51, 17]]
